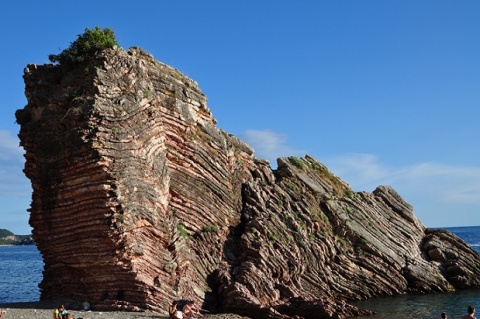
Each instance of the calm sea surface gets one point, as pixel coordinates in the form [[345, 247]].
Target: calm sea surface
[[432, 305], [21, 272]]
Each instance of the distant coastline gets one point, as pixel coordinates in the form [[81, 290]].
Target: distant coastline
[[7, 238]]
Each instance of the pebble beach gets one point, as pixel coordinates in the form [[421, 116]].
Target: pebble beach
[[44, 310]]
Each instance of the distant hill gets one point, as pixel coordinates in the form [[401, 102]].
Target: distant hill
[[5, 233], [9, 238]]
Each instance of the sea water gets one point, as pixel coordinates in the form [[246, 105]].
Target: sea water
[[431, 305], [21, 272]]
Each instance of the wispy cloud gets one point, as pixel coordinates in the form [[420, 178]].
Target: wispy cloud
[[9, 146], [12, 180], [446, 183], [440, 194], [15, 189], [360, 170], [451, 183], [270, 145]]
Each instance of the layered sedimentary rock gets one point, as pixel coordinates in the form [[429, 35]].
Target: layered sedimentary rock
[[139, 199]]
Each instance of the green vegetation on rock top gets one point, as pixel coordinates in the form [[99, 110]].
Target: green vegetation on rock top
[[86, 45]]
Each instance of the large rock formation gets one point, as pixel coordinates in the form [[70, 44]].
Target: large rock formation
[[139, 199]]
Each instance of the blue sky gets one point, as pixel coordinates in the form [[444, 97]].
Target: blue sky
[[382, 92]]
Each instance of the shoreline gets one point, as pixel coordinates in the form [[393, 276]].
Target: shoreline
[[44, 310]]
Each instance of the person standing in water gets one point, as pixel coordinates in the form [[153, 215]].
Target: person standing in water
[[470, 313]]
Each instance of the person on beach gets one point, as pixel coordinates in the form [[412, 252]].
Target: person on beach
[[57, 313], [190, 311], [174, 312], [470, 313], [60, 312], [444, 315]]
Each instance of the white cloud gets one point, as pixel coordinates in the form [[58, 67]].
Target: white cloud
[[9, 146], [269, 145], [15, 189], [360, 170], [441, 194], [449, 183], [12, 179]]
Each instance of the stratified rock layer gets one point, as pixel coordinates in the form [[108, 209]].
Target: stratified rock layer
[[139, 199]]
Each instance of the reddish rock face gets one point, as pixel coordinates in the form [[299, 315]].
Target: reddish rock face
[[139, 199]]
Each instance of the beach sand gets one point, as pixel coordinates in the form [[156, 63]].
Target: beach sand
[[44, 310]]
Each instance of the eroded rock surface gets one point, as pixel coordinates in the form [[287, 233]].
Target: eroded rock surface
[[139, 199]]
